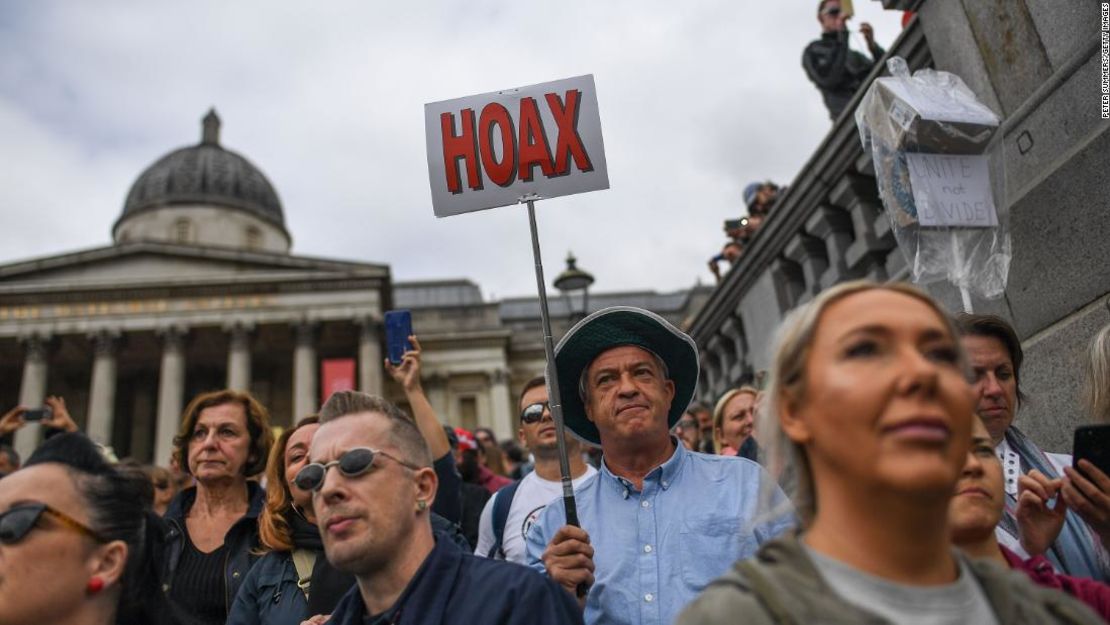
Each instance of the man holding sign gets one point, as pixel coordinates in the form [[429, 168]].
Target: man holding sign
[[658, 522]]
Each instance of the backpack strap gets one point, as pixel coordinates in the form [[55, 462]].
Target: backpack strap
[[765, 591], [502, 501], [303, 560]]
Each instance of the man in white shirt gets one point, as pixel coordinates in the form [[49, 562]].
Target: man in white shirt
[[535, 490]]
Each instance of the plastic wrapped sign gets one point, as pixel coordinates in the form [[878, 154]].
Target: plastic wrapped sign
[[940, 176]]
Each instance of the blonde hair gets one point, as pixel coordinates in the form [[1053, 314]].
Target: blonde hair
[[793, 344], [719, 412], [1096, 383]]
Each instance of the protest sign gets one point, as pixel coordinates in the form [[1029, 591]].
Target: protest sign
[[952, 190], [496, 148]]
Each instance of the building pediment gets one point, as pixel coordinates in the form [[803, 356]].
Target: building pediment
[[136, 265]]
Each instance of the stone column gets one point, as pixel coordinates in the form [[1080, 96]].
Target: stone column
[[501, 412], [239, 357], [369, 357], [102, 391], [171, 394], [32, 392], [435, 387], [304, 371]]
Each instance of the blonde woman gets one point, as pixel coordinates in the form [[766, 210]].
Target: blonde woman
[[1096, 383], [733, 422], [869, 394]]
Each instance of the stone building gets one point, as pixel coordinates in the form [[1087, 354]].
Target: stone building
[[199, 291], [1036, 64]]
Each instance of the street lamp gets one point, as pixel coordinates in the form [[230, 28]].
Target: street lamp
[[575, 279]]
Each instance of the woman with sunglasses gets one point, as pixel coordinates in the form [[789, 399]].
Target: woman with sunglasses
[[293, 581], [869, 394], [76, 544]]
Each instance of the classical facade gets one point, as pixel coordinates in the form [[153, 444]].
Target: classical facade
[[199, 291]]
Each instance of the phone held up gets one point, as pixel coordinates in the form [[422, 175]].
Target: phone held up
[[1092, 443], [37, 414], [398, 328]]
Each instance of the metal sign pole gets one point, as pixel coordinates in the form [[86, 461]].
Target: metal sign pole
[[553, 399]]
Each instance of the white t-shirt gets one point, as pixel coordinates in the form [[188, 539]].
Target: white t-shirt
[[532, 496]]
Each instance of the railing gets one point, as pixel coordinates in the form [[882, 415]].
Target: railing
[[827, 227]]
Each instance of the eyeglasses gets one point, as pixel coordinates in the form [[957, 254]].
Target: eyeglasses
[[161, 485], [533, 413], [832, 11], [18, 521], [352, 463]]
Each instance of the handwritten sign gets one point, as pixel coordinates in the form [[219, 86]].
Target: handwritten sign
[[493, 149], [952, 190]]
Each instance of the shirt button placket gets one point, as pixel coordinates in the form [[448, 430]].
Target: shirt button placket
[[649, 562]]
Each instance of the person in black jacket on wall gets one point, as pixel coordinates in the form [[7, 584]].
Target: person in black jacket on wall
[[837, 70]]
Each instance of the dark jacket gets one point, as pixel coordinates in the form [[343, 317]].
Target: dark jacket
[[241, 539], [781, 586], [1094, 593], [837, 70], [457, 588], [270, 594]]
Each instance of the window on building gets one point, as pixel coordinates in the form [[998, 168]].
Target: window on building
[[252, 238], [468, 412], [182, 230]]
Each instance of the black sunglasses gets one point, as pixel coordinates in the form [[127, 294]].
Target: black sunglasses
[[832, 11], [533, 413], [352, 463], [18, 522]]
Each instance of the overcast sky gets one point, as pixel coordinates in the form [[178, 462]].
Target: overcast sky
[[326, 98]]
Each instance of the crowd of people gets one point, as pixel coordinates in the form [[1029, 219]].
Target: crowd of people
[[878, 477]]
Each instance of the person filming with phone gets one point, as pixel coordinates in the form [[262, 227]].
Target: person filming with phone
[[837, 70], [1081, 498]]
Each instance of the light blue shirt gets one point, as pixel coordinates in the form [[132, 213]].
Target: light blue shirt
[[656, 549]]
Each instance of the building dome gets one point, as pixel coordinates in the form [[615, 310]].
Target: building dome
[[205, 176]]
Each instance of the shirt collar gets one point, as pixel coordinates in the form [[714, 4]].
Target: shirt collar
[[665, 474]]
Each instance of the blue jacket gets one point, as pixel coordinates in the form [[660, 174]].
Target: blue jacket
[[457, 588], [241, 539], [270, 595]]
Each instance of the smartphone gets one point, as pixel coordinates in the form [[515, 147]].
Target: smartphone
[[36, 414], [1092, 443], [398, 328], [733, 224]]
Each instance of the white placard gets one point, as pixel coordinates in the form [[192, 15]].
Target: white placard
[[496, 148], [952, 190]]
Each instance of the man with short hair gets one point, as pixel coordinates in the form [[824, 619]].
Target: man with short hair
[[658, 523], [704, 417], [836, 70], [504, 537], [373, 511]]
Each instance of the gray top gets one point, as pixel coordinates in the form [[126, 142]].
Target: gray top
[[951, 604]]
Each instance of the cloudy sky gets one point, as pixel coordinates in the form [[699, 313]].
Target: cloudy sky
[[696, 99]]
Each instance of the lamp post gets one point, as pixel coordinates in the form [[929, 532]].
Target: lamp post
[[575, 279]]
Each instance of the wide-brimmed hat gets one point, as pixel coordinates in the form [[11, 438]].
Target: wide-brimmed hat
[[614, 327]]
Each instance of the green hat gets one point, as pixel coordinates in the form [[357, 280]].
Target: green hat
[[614, 327]]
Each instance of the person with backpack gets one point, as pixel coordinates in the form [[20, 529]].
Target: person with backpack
[[512, 510]]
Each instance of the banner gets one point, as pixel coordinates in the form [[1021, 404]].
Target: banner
[[336, 374]]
